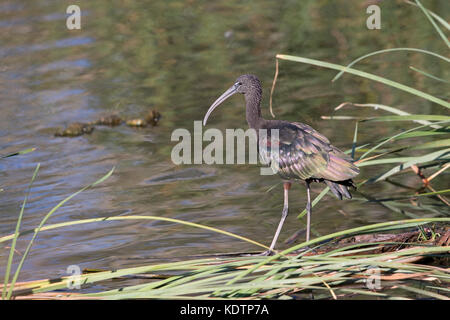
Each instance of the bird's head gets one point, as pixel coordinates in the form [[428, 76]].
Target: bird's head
[[245, 84]]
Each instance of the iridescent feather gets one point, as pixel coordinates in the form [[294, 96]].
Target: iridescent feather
[[305, 154]]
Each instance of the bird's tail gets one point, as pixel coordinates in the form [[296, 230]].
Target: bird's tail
[[341, 188]]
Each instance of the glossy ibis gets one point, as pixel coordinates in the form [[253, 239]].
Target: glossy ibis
[[304, 153]]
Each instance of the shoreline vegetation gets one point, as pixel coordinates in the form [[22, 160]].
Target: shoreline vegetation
[[409, 257]]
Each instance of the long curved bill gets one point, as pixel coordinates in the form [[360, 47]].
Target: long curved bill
[[219, 100]]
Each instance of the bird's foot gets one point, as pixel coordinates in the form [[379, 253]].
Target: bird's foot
[[267, 253], [262, 254]]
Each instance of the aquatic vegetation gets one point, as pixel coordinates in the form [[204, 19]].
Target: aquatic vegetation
[[77, 129], [74, 130], [111, 120]]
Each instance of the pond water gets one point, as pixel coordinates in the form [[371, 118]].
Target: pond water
[[177, 57]]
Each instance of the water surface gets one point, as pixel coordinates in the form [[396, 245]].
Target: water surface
[[177, 57]]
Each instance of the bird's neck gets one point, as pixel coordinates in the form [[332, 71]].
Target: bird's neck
[[253, 108]]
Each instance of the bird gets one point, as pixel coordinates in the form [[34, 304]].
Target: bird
[[304, 154]]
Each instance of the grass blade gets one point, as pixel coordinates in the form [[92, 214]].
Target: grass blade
[[25, 151], [428, 74], [434, 15], [365, 75], [425, 293], [426, 158], [385, 108], [120, 218], [315, 201], [439, 31], [396, 136], [355, 137], [432, 144], [16, 233], [432, 117], [19, 267], [389, 50]]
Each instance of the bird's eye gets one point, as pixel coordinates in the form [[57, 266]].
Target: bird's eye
[[238, 83]]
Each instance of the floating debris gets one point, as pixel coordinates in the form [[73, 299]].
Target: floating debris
[[153, 117], [111, 120], [77, 129], [74, 130], [136, 123]]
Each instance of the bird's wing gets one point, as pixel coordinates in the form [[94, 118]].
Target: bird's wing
[[305, 153]]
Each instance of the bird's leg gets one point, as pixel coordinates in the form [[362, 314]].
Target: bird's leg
[[287, 186], [308, 212]]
